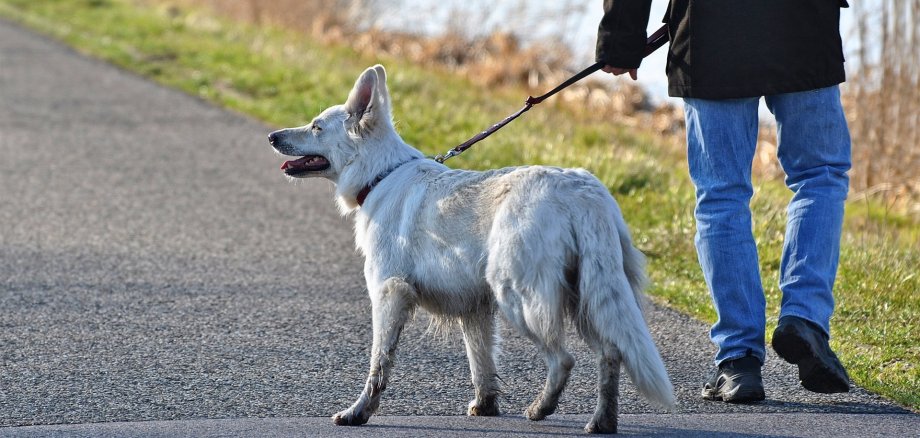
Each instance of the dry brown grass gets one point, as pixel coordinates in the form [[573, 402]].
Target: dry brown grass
[[882, 98], [883, 103], [496, 59]]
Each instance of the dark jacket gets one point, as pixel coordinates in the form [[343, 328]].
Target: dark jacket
[[721, 49]]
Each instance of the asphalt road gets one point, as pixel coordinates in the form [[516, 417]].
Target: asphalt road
[[156, 265]]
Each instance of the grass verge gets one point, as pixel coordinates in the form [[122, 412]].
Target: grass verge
[[284, 79]]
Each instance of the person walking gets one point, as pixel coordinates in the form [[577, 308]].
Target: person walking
[[724, 55]]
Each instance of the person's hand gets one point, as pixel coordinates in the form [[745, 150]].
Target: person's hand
[[616, 71]]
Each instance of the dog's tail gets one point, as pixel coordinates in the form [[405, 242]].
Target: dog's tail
[[611, 299]]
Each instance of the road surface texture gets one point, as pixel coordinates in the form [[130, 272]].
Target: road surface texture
[[157, 267]]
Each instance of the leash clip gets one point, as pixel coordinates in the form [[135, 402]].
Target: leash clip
[[450, 154]]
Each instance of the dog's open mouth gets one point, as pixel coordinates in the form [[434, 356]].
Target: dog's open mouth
[[304, 165]]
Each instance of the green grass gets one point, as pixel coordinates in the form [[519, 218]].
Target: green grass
[[285, 79]]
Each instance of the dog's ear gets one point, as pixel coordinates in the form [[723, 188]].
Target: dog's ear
[[360, 99], [368, 103]]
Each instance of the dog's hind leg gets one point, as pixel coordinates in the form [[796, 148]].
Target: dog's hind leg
[[542, 323], [608, 390], [479, 336], [526, 270], [608, 379], [559, 364], [392, 306]]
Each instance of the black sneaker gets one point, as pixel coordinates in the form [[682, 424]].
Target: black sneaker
[[801, 342], [736, 381]]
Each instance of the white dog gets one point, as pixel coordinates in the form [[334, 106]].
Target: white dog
[[537, 243]]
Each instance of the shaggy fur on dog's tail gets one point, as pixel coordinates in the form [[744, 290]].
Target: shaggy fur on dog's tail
[[611, 301]]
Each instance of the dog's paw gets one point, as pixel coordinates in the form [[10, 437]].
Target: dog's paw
[[348, 417], [601, 426], [536, 411], [484, 408]]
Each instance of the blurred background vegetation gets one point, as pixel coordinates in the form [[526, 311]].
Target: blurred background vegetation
[[882, 97], [283, 61]]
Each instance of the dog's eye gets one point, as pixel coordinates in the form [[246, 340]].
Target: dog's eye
[[316, 128]]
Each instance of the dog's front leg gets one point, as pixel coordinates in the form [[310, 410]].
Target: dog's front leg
[[392, 305]]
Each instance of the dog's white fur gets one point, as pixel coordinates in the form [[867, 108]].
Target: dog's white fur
[[538, 243]]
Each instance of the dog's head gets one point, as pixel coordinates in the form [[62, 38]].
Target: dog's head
[[337, 137]]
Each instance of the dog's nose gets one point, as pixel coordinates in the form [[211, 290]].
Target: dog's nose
[[273, 138]]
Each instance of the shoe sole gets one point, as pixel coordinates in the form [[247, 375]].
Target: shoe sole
[[738, 396], [816, 375]]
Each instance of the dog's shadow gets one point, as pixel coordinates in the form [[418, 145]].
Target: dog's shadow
[[509, 426]]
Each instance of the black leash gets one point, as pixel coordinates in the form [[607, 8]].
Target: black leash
[[653, 42]]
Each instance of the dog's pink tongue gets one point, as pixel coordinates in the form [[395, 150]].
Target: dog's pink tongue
[[298, 163]]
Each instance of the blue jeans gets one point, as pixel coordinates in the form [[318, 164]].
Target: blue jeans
[[814, 151]]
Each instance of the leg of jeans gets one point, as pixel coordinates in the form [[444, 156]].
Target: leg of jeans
[[814, 150], [721, 138]]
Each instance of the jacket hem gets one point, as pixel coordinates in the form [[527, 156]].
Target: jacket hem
[[753, 90]]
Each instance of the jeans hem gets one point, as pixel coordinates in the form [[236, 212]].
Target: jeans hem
[[806, 318], [762, 359]]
